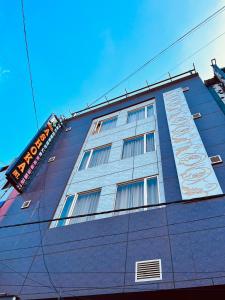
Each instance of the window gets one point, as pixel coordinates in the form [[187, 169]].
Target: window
[[80, 204], [136, 115], [150, 142], [137, 193], [141, 113], [95, 157], [85, 160], [86, 203], [150, 111], [105, 125], [138, 145], [65, 210]]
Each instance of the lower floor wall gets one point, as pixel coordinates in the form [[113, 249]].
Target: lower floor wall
[[99, 257]]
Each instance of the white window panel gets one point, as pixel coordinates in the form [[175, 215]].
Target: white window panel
[[140, 113], [136, 115], [99, 156], [133, 147], [137, 193], [95, 157], [85, 159], [138, 145], [85, 203], [105, 125], [150, 111], [108, 124], [130, 195], [150, 142], [65, 210]]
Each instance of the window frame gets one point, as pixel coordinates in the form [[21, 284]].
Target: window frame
[[98, 124], [76, 195], [61, 210], [140, 108], [90, 155], [145, 143], [144, 180]]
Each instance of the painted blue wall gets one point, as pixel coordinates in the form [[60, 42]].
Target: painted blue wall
[[99, 256]]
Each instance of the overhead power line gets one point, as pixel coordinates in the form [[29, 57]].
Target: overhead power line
[[181, 38], [112, 211], [28, 63], [193, 54]]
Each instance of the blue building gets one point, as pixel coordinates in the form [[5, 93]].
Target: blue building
[[121, 200]]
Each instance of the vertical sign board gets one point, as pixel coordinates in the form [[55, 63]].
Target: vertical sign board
[[219, 74], [22, 168], [195, 173]]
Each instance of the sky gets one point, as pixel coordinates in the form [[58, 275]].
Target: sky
[[80, 49]]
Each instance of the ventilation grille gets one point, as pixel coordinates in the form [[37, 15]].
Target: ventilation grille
[[148, 270], [216, 159], [68, 129], [51, 159], [26, 204], [185, 89], [196, 116]]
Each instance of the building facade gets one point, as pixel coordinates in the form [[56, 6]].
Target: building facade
[[132, 195]]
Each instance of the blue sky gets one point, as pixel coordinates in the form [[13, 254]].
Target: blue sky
[[79, 49]]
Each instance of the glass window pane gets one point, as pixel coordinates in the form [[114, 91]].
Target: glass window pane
[[133, 147], [130, 195], [99, 156], [136, 115], [86, 204], [150, 143], [84, 160], [65, 211], [150, 111], [152, 191], [108, 124]]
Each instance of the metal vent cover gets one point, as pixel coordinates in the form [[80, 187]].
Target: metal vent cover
[[51, 159], [26, 204], [185, 89], [196, 116], [216, 159], [148, 270]]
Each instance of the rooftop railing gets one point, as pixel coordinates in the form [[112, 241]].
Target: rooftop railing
[[132, 93]]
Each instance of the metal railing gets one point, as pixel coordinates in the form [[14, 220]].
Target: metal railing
[[132, 93]]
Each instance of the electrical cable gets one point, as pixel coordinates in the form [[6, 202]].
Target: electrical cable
[[113, 211], [115, 234], [212, 16], [28, 63], [29, 67], [201, 48], [21, 273], [124, 241], [41, 242], [191, 55]]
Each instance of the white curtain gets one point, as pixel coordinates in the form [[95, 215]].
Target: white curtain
[[84, 160], [150, 111], [130, 195], [65, 210], [150, 143], [136, 115], [108, 124], [133, 147], [85, 204], [99, 156], [152, 191]]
